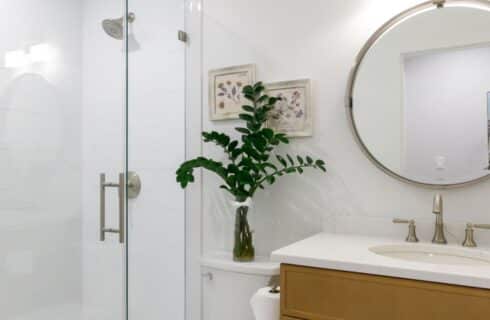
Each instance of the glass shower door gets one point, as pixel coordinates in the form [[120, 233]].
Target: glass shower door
[[156, 147], [62, 124]]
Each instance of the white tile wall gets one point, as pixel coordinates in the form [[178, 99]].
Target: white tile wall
[[40, 152]]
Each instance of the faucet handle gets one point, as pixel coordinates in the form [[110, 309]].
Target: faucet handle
[[469, 240], [481, 226], [412, 235]]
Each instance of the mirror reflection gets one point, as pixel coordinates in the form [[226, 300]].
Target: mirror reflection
[[421, 97]]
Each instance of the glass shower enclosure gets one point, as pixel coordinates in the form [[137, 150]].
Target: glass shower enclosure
[[91, 105]]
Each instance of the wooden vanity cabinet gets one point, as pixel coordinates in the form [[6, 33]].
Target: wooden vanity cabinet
[[322, 294]]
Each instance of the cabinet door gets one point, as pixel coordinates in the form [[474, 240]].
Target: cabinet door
[[319, 294]]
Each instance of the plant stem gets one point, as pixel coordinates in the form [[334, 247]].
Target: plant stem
[[243, 249], [306, 165]]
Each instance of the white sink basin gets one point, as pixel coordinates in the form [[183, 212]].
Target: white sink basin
[[434, 254]]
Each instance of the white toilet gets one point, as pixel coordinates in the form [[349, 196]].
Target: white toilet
[[228, 286]]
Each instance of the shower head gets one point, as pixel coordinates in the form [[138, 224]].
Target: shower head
[[114, 27]]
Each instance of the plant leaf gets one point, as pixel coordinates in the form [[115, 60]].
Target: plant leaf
[[248, 108], [248, 90], [267, 133], [263, 99], [281, 160], [282, 138], [259, 87], [246, 117], [249, 97], [270, 179], [243, 130], [273, 100], [232, 145], [320, 162]]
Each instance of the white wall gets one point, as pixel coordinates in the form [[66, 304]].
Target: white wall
[[445, 114], [40, 151], [318, 40]]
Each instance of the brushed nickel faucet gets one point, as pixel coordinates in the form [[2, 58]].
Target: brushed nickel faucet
[[437, 209], [469, 240], [412, 235]]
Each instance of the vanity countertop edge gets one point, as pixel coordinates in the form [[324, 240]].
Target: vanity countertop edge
[[351, 253]]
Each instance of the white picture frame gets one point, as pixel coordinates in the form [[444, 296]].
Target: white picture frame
[[225, 90], [293, 115]]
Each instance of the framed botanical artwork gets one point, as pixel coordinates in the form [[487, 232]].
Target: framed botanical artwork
[[225, 90], [292, 115]]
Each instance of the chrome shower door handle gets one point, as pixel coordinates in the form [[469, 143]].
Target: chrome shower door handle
[[120, 186], [102, 207]]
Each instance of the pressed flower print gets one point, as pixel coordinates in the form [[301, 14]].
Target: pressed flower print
[[229, 92], [226, 98], [291, 114]]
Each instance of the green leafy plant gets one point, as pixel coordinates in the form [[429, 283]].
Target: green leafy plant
[[250, 162], [250, 166]]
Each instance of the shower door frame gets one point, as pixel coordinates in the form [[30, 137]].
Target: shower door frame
[[194, 75], [126, 159]]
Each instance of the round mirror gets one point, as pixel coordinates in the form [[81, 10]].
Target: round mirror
[[419, 95]]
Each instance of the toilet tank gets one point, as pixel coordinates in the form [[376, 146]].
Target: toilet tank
[[228, 286]]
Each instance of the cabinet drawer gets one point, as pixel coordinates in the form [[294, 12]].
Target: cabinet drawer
[[321, 294]]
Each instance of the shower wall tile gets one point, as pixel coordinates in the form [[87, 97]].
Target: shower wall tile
[[40, 152]]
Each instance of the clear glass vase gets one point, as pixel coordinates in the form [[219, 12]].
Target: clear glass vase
[[243, 249]]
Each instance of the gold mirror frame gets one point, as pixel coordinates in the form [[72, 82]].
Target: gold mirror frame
[[428, 5]]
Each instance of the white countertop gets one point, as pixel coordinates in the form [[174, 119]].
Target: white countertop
[[351, 253]]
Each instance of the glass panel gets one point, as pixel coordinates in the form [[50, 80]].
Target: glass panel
[[156, 144], [61, 125]]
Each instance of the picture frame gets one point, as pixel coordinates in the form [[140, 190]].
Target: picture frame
[[225, 90], [293, 115]]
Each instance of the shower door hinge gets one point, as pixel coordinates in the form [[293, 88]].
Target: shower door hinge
[[182, 35]]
